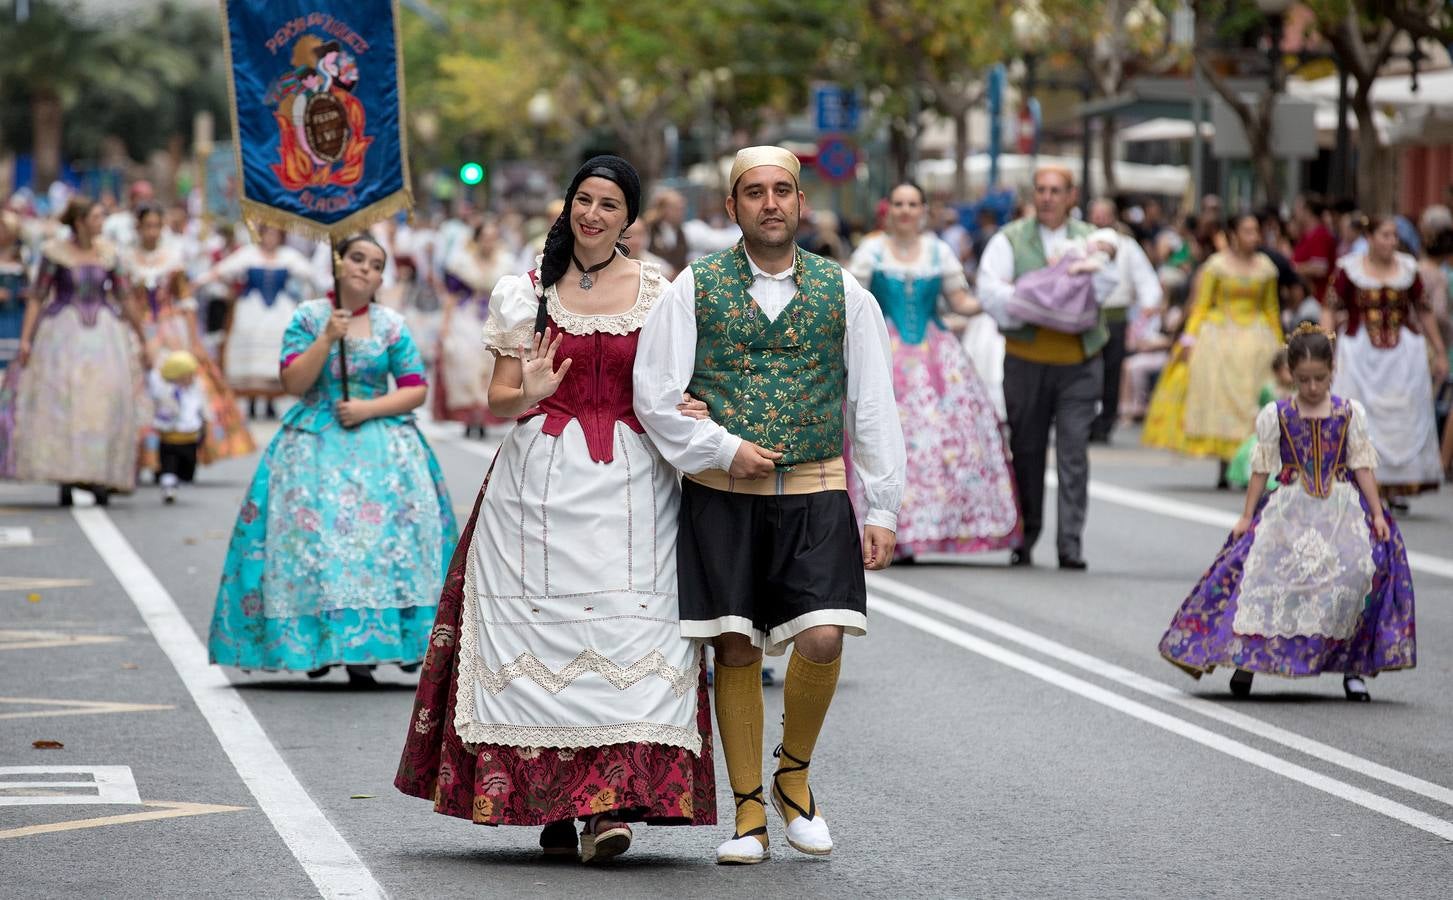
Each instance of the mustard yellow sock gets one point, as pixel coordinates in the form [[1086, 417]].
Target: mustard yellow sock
[[739, 725], [806, 695]]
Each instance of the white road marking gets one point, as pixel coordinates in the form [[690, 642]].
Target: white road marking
[[107, 784], [16, 536], [1363, 798], [1426, 563], [333, 866], [1161, 691]]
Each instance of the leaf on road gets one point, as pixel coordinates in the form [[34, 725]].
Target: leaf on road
[[48, 745], [33, 598], [360, 796], [130, 666]]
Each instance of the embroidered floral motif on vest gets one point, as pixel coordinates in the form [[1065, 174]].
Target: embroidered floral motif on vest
[[778, 383]]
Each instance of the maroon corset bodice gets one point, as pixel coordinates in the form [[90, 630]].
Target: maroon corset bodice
[[596, 391]]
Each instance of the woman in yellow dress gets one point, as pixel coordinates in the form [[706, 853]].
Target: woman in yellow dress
[[1206, 401]]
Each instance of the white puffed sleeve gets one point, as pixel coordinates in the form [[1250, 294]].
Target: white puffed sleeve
[[1360, 452], [512, 309], [950, 268], [1266, 458]]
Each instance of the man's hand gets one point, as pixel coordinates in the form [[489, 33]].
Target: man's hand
[[878, 544], [752, 461]]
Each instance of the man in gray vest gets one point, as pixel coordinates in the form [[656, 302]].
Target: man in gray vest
[[1051, 379]]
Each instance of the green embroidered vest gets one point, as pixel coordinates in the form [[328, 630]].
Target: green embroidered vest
[[777, 383], [1024, 240]]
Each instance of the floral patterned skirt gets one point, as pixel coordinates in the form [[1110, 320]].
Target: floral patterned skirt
[[338, 552], [500, 785], [960, 495], [1305, 591]]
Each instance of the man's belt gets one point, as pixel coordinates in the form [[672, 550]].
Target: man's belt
[[803, 478]]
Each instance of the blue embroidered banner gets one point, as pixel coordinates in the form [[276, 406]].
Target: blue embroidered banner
[[317, 112]]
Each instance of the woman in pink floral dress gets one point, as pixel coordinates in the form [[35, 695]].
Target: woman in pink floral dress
[[960, 492]]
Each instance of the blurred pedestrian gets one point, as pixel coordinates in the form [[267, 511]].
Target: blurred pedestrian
[[339, 549], [80, 396], [1138, 290], [179, 420], [461, 391], [959, 496], [1052, 379], [1205, 402], [154, 270], [14, 287], [1389, 339], [261, 312]]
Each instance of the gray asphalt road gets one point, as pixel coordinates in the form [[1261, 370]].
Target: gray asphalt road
[[1005, 733]]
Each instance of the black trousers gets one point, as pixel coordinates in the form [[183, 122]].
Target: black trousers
[[1114, 355], [1039, 397], [179, 460]]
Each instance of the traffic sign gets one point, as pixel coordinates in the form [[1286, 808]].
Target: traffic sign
[[837, 159], [837, 108]]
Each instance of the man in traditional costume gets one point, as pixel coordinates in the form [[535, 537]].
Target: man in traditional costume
[[790, 353], [1052, 379]]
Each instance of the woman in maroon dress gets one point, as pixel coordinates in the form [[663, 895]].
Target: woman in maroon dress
[[557, 685]]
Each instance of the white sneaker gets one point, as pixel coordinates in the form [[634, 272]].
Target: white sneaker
[[742, 851]]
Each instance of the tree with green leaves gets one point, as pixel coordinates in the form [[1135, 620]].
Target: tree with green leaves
[[56, 64]]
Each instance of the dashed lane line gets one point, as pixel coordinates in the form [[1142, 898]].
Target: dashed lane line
[[335, 869], [1425, 563], [1161, 691], [1261, 759]]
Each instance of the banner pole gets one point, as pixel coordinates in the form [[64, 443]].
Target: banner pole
[[338, 304]]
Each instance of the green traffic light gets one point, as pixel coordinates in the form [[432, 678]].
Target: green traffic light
[[471, 173]]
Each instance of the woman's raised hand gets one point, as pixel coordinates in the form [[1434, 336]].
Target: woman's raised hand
[[539, 377]]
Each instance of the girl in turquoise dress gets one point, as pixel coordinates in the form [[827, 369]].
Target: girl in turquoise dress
[[339, 551]]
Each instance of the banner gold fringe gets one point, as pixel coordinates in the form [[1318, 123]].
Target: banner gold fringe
[[261, 214]]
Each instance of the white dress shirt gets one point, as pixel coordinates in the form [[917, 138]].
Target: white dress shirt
[[1139, 286], [996, 273], [666, 361]]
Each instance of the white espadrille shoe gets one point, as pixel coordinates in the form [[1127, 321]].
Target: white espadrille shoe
[[808, 832], [745, 849]]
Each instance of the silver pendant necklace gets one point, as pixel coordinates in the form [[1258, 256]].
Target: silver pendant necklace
[[586, 282]]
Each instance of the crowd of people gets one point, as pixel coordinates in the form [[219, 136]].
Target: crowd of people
[[708, 431]]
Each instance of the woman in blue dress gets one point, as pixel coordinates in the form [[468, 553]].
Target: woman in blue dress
[[339, 552]]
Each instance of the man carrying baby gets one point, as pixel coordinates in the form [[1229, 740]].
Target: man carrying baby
[[1052, 379]]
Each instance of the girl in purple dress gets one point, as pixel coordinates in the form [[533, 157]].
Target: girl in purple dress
[[1314, 578]]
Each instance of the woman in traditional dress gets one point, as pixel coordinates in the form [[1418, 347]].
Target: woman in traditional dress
[[1314, 577], [79, 400], [155, 270], [1383, 360], [14, 285], [558, 686], [960, 492], [338, 554], [1205, 402], [470, 274], [261, 313]]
